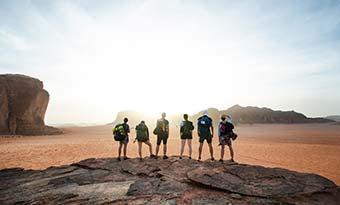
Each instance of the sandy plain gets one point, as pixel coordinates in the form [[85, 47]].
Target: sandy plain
[[313, 148]]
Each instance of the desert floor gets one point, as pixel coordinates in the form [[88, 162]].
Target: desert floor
[[306, 148]]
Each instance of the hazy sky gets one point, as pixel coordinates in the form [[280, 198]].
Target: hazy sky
[[99, 57]]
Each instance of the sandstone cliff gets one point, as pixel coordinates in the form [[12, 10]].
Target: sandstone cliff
[[23, 103], [157, 181]]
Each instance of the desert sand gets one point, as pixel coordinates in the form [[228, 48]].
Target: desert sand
[[312, 148]]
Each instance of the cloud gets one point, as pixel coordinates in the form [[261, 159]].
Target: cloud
[[84, 51]]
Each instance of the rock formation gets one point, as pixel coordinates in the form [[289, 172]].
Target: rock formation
[[265, 115], [157, 181], [242, 115], [23, 103]]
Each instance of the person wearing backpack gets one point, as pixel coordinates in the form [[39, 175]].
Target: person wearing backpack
[[186, 134], [121, 134], [225, 134], [142, 136], [162, 132], [205, 131]]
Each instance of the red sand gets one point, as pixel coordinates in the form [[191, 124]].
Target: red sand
[[311, 148]]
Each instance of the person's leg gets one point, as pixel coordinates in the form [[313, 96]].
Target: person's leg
[[165, 141], [164, 149], [200, 151], [222, 152], [150, 147], [211, 151], [159, 140], [124, 150], [120, 150], [140, 149], [231, 152], [190, 149], [182, 147]]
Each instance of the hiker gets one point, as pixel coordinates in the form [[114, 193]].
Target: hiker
[[186, 134], [205, 131], [225, 135], [142, 136], [162, 132], [121, 134]]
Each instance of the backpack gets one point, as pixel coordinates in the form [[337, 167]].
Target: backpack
[[204, 123], [187, 128], [142, 132], [223, 129], [119, 133]]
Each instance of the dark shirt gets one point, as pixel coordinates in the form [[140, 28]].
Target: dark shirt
[[126, 129]]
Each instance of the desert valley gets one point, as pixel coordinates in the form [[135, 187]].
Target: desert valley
[[312, 148]]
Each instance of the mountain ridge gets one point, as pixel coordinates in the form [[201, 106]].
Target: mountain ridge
[[239, 114]]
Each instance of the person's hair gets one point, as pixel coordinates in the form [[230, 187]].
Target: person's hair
[[143, 121], [185, 116], [126, 120], [223, 117], [163, 114]]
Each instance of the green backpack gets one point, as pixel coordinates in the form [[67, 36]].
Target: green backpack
[[119, 133]]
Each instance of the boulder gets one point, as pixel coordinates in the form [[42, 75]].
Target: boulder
[[157, 181], [23, 104], [259, 181]]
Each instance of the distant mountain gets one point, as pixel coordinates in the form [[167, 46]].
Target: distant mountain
[[251, 115], [239, 114], [334, 117]]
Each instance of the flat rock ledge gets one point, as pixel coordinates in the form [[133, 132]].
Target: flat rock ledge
[[158, 181]]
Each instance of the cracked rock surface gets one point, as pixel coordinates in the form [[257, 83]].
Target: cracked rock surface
[[158, 181]]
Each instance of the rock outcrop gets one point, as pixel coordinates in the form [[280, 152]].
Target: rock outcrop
[[23, 103], [157, 181]]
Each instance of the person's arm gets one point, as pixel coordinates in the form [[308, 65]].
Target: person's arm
[[128, 128], [181, 129], [147, 131], [212, 130], [167, 127]]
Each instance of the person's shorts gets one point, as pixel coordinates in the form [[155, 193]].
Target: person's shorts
[[161, 138], [143, 139], [207, 137], [225, 140], [125, 141], [186, 137]]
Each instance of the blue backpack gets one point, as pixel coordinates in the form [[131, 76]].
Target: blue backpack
[[204, 123]]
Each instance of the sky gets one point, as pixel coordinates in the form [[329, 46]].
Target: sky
[[100, 57]]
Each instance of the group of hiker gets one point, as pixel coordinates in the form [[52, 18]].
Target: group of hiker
[[205, 132]]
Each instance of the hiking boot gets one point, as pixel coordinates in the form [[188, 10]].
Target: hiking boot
[[118, 158], [221, 160], [165, 157], [153, 156], [232, 160], [180, 157], [212, 159], [199, 159], [140, 159], [189, 157], [125, 158]]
